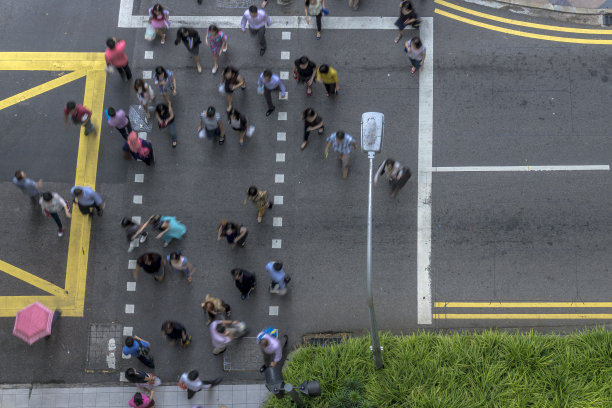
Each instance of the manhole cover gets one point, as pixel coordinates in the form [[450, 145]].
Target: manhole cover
[[322, 339], [104, 346], [138, 119], [243, 355]]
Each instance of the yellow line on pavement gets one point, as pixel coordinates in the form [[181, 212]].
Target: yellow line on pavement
[[523, 23], [87, 165], [40, 89], [523, 316], [78, 57], [523, 304], [522, 33], [31, 279]]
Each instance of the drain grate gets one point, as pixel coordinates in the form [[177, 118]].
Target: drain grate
[[323, 339], [103, 345]]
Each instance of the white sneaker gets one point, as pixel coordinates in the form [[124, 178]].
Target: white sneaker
[[214, 70], [143, 238], [60, 233]]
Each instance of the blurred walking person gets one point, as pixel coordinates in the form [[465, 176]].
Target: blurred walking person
[[217, 41], [407, 16], [159, 18], [142, 400], [211, 125], [395, 173], [52, 204], [134, 232], [220, 335], [354, 4], [257, 19], [119, 120], [142, 379], [260, 199], [304, 70], [312, 121], [174, 331], [234, 233], [279, 279], [139, 348], [271, 348], [191, 382], [343, 144], [28, 186], [245, 281], [231, 81], [116, 57], [165, 81], [416, 53], [328, 76], [80, 116], [152, 263], [146, 96], [170, 228], [139, 149], [181, 264], [215, 306], [87, 199], [164, 114], [269, 82], [191, 40], [314, 8], [239, 123]]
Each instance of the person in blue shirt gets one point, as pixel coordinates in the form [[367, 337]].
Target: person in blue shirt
[[278, 276], [133, 345], [270, 82], [27, 185], [87, 199]]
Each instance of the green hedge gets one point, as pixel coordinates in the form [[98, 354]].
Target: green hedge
[[471, 370]]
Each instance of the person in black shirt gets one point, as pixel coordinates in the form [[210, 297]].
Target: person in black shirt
[[152, 263], [407, 17], [191, 40], [174, 331], [305, 70], [245, 282]]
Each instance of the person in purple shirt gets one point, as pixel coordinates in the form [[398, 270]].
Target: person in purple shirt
[[257, 19], [271, 348], [119, 120], [270, 82]]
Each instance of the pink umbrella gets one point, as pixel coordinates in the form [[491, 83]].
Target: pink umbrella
[[33, 322]]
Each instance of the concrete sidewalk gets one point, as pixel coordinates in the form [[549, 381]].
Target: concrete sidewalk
[[77, 396]]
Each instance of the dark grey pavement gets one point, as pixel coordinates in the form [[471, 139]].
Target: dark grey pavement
[[498, 100]]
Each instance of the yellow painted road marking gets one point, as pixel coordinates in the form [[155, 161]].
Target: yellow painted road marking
[[523, 23], [71, 299], [31, 279], [522, 33], [40, 89], [523, 304], [524, 316]]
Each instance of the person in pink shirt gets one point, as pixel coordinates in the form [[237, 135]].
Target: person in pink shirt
[[115, 56], [140, 400]]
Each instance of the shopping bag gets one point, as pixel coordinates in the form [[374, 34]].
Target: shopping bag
[[149, 33], [250, 131]]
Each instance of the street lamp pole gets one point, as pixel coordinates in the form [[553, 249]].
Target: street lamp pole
[[372, 125]]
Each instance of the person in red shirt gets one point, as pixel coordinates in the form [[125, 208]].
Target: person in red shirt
[[80, 116], [116, 57]]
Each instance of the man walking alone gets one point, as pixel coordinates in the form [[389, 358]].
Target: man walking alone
[[257, 19]]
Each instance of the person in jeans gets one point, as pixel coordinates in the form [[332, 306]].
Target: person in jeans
[[28, 186], [174, 331], [245, 282], [260, 199], [80, 115], [132, 348], [87, 199], [270, 82], [190, 382], [119, 120], [115, 56], [191, 40], [52, 204], [152, 263], [312, 121], [257, 19], [211, 125], [343, 144], [165, 118], [314, 8], [416, 53]]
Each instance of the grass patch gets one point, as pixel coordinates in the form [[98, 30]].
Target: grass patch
[[468, 370]]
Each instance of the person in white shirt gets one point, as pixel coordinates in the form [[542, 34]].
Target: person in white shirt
[[395, 173], [190, 382], [257, 19], [52, 204]]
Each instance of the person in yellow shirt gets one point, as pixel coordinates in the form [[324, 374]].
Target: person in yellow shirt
[[329, 77]]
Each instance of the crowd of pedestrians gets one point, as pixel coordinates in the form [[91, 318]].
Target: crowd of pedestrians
[[223, 330]]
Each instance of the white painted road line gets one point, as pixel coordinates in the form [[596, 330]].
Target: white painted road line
[[131, 286], [425, 155], [278, 200], [273, 311], [285, 55], [596, 167], [132, 264], [277, 221], [283, 115], [280, 157], [284, 75], [286, 35], [277, 243], [136, 219], [129, 309], [147, 74], [127, 331], [138, 178], [281, 136], [137, 199], [127, 20], [279, 178], [148, 55]]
